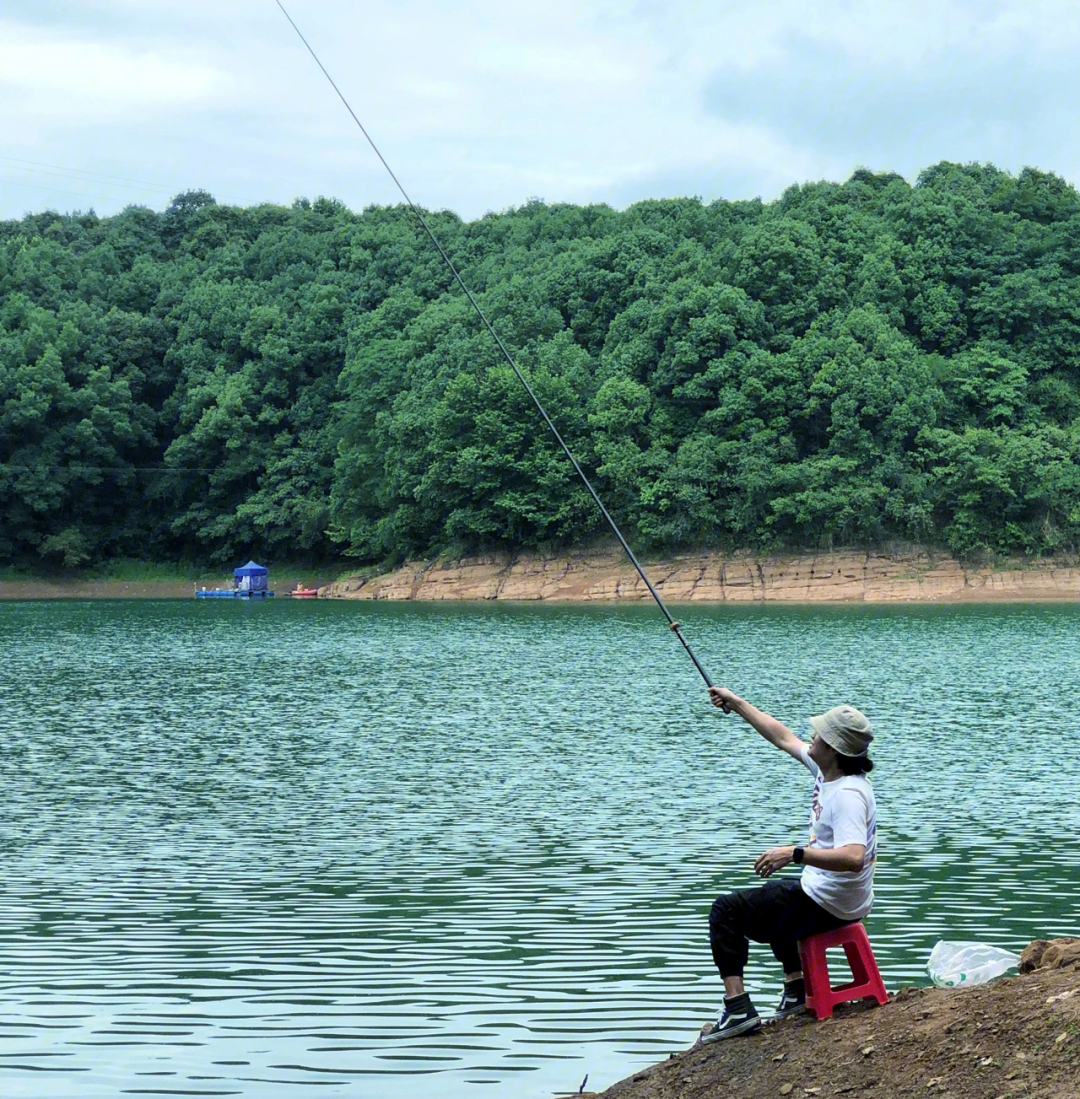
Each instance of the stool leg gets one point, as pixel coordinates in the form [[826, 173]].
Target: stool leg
[[859, 973], [815, 969], [876, 985], [804, 962], [807, 976], [864, 968]]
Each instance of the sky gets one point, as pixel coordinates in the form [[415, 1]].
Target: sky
[[480, 105]]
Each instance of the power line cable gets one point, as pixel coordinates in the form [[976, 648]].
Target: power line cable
[[81, 173], [34, 185]]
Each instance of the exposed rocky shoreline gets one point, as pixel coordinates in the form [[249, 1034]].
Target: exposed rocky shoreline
[[606, 574], [1015, 1037]]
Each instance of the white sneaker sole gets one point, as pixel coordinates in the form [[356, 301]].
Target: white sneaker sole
[[745, 1027]]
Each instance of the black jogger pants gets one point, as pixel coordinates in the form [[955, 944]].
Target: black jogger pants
[[778, 913]]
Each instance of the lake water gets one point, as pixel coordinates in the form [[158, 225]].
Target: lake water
[[458, 851]]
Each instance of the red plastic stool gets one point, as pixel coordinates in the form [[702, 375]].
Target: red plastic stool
[[821, 997]]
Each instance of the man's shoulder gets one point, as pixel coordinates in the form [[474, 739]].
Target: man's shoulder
[[854, 786], [861, 782]]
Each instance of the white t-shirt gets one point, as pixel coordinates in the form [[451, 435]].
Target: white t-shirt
[[841, 812]]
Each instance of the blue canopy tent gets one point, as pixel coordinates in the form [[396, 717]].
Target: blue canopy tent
[[250, 577], [249, 582]]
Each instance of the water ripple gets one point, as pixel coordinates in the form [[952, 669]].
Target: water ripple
[[256, 850]]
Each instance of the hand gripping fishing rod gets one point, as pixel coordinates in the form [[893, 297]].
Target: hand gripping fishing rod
[[675, 627]]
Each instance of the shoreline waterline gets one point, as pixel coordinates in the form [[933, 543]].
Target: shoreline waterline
[[62, 588], [604, 574]]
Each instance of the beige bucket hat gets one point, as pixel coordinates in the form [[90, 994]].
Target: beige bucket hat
[[844, 728]]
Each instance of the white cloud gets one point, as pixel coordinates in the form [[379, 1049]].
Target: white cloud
[[86, 78], [481, 104]]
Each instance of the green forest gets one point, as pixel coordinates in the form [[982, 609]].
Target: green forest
[[849, 365]]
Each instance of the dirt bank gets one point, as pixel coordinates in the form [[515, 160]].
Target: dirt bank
[[118, 589], [606, 574], [1014, 1037]]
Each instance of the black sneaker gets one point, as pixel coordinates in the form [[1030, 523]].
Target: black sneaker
[[793, 1000], [739, 1017]]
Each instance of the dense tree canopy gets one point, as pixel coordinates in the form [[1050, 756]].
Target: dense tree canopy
[[849, 364]]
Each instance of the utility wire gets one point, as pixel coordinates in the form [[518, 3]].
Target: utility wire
[[509, 358], [79, 173]]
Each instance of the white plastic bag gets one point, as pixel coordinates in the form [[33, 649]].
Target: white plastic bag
[[953, 964]]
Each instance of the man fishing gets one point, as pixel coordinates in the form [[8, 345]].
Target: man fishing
[[836, 886]]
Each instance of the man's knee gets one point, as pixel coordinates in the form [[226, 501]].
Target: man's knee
[[728, 917], [723, 908]]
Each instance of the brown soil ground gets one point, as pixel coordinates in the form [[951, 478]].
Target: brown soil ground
[[1016, 1037]]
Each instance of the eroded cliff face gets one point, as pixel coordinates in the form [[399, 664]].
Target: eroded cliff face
[[603, 574]]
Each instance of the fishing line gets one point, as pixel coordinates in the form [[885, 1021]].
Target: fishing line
[[675, 626]]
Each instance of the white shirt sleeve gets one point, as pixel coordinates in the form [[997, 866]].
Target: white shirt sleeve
[[808, 763]]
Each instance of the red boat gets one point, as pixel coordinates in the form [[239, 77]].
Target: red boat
[[304, 593]]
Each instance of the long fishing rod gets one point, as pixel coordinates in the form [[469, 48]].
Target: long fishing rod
[[674, 626]]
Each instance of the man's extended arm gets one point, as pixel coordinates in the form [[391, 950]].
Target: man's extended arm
[[775, 732]]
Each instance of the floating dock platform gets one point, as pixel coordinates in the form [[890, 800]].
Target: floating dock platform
[[249, 582], [230, 593]]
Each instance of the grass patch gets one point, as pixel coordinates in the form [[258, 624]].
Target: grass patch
[[144, 572], [126, 571], [12, 574]]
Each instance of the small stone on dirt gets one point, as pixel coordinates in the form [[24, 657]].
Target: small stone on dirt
[[785, 1089], [1062, 995], [867, 1050]]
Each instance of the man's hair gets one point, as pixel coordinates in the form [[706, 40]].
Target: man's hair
[[854, 765]]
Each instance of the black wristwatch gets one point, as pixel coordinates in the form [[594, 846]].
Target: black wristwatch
[[797, 855]]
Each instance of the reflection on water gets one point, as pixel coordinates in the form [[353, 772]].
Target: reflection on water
[[402, 851]]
